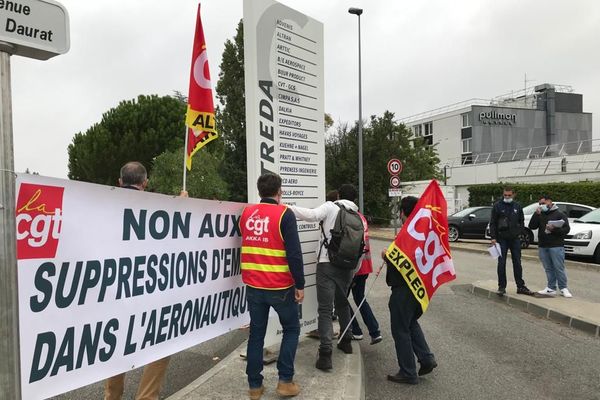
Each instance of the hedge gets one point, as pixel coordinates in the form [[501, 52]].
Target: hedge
[[526, 193]]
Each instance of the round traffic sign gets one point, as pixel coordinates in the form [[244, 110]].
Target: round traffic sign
[[394, 181], [394, 166]]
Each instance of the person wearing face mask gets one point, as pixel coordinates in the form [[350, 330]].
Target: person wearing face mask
[[506, 226], [552, 226]]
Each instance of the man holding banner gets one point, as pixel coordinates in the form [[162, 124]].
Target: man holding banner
[[418, 262], [134, 176]]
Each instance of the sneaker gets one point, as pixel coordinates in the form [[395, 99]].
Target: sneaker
[[399, 378], [256, 393], [427, 367], [501, 291], [345, 345], [376, 340], [287, 389], [357, 337], [548, 292], [565, 292], [525, 290], [324, 362]]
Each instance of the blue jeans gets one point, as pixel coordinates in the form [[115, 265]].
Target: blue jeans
[[358, 293], [553, 260], [284, 303], [514, 245]]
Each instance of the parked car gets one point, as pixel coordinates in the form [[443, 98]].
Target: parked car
[[469, 223], [571, 210], [584, 237]]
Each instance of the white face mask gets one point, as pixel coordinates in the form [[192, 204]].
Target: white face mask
[[508, 200], [544, 208]]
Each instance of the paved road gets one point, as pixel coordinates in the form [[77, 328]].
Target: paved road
[[488, 350]]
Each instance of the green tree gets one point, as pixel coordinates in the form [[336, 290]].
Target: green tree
[[203, 181], [231, 116], [383, 139], [135, 130]]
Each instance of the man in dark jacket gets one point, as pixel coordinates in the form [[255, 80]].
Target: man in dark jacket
[[552, 227], [405, 311], [506, 226]]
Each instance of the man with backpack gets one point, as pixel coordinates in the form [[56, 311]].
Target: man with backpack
[[340, 247]]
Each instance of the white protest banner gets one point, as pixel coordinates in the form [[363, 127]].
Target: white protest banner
[[111, 279]]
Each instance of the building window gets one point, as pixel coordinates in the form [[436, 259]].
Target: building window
[[466, 146], [428, 128], [466, 120], [417, 130]]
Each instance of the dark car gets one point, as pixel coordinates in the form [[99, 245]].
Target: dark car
[[469, 223]]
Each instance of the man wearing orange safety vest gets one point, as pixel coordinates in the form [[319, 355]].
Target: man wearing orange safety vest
[[273, 270]]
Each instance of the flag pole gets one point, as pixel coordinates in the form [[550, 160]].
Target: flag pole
[[185, 158], [361, 303]]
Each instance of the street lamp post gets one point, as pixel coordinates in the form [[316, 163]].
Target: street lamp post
[[358, 12]]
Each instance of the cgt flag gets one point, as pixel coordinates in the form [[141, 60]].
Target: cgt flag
[[200, 116], [421, 252]]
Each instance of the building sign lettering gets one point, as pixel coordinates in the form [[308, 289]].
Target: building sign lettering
[[494, 117]]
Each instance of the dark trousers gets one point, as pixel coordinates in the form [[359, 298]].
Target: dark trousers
[[284, 303], [515, 253], [332, 288], [358, 293], [406, 331]]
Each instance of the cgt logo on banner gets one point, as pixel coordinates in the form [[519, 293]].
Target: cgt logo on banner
[[39, 218], [421, 252]]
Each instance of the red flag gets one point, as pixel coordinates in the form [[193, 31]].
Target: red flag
[[200, 116], [421, 252]]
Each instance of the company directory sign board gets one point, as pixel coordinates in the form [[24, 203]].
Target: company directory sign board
[[36, 28], [283, 58]]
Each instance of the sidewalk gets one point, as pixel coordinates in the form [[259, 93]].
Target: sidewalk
[[576, 313], [227, 380]]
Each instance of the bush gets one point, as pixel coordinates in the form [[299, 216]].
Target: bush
[[575, 192]]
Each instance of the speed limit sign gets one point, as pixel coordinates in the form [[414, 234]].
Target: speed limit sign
[[394, 166]]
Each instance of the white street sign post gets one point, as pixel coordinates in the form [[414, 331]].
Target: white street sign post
[[35, 29]]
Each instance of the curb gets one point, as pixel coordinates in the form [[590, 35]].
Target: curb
[[581, 324], [568, 263]]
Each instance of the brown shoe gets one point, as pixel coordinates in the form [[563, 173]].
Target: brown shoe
[[255, 394], [287, 389]]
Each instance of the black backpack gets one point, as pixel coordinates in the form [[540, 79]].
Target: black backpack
[[347, 242]]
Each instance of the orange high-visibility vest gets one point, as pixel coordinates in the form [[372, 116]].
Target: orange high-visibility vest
[[264, 261]]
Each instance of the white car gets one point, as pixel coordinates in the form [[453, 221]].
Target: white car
[[573, 211], [584, 237]]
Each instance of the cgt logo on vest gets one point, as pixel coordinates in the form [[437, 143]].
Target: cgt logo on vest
[[256, 224], [39, 217]]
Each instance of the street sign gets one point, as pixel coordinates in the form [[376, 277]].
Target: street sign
[[395, 192], [394, 181], [35, 28], [394, 166]]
